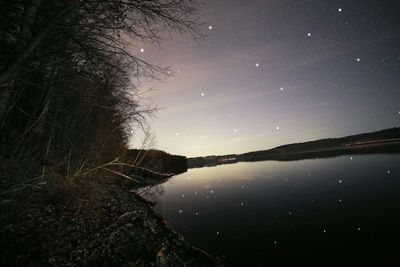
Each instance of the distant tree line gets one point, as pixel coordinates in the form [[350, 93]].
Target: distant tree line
[[157, 161], [383, 141], [69, 81]]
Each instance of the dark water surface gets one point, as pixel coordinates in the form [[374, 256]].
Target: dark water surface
[[341, 211]]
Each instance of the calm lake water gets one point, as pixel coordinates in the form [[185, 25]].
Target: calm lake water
[[342, 211]]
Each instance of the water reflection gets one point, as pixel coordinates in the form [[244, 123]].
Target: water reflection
[[263, 213]]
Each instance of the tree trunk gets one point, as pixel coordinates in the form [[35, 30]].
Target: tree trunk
[[9, 72]]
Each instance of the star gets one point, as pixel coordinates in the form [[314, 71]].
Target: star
[[359, 228], [351, 158], [183, 195], [309, 34], [358, 59], [142, 50], [257, 65], [197, 213], [324, 231], [210, 27], [277, 128], [180, 211], [217, 233], [177, 134], [281, 88], [339, 9], [241, 204], [388, 171], [202, 94], [235, 130], [340, 181]]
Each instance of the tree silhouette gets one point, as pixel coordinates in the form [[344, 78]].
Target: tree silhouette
[[69, 77]]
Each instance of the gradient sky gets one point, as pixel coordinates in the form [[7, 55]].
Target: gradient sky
[[274, 72]]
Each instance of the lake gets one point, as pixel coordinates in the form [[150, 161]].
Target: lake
[[342, 211]]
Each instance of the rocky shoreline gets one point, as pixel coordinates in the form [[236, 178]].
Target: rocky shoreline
[[92, 223]]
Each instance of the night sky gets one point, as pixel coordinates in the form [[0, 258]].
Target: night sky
[[272, 72]]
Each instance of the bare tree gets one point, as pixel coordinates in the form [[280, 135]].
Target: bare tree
[[108, 26], [66, 68]]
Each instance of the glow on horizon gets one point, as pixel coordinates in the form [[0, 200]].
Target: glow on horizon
[[250, 86]]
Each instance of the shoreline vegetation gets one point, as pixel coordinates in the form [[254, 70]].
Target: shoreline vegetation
[[384, 141], [70, 104], [100, 222]]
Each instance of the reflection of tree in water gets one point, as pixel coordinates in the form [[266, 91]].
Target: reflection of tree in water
[[152, 193]]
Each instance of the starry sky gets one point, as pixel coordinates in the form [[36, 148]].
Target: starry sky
[[272, 72]]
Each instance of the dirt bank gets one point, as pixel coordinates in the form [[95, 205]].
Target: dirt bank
[[89, 224]]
